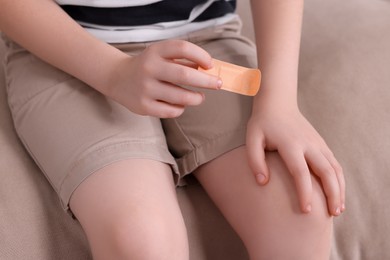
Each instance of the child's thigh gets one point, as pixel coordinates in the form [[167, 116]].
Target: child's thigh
[[129, 209], [268, 218]]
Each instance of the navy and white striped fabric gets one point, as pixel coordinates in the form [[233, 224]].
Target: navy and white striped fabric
[[118, 21]]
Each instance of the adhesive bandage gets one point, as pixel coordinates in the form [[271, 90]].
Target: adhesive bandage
[[236, 78]]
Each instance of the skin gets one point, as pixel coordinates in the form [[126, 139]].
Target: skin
[[276, 123], [137, 83]]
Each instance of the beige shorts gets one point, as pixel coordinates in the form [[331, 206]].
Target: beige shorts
[[71, 130]]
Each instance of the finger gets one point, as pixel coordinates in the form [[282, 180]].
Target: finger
[[164, 110], [256, 157], [324, 170], [178, 49], [297, 166], [340, 176], [176, 95], [186, 76], [186, 63]]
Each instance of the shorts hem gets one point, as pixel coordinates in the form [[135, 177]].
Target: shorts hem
[[101, 158], [210, 151]]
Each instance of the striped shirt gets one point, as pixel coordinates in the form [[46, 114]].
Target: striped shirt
[[119, 21]]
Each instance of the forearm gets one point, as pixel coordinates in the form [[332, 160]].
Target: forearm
[[278, 32], [43, 28]]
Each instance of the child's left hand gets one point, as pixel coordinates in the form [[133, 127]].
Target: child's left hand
[[286, 130]]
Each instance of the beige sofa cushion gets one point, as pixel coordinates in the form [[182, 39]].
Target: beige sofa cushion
[[345, 92]]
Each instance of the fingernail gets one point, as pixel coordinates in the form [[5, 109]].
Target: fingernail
[[260, 178], [219, 83], [203, 96], [308, 208], [342, 207], [337, 212]]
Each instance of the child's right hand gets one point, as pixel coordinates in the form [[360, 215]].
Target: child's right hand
[[150, 83]]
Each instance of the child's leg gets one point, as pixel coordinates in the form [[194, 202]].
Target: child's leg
[[129, 210], [268, 218]]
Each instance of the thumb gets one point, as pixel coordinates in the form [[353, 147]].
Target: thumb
[[256, 157]]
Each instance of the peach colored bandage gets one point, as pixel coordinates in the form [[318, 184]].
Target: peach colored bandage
[[236, 78]]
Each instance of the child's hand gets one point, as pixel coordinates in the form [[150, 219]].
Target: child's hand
[[150, 83], [301, 147]]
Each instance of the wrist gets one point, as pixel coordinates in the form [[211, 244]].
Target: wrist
[[278, 97], [104, 70]]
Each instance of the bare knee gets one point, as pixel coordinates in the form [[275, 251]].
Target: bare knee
[[286, 232], [268, 218], [126, 238], [293, 235], [124, 218]]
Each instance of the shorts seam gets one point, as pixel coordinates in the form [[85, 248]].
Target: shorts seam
[[26, 100], [180, 128]]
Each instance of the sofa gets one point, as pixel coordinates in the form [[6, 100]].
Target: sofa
[[344, 91]]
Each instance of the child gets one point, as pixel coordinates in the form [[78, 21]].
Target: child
[[107, 98]]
